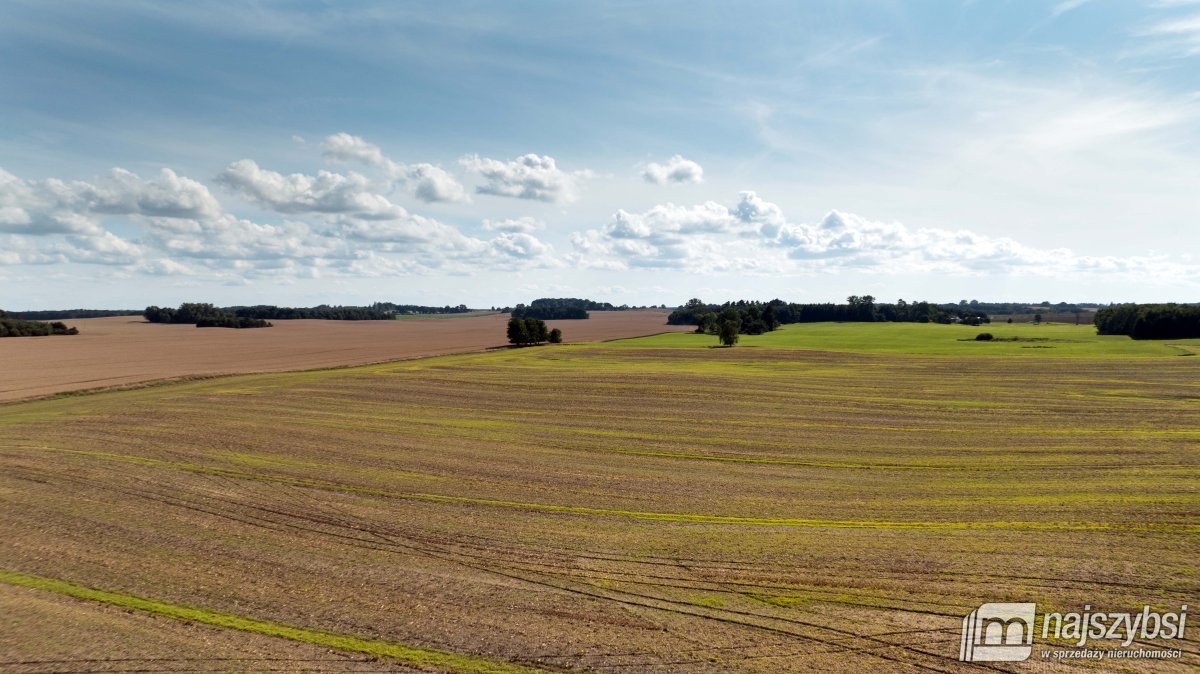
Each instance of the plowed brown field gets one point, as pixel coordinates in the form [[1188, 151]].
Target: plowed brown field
[[125, 350]]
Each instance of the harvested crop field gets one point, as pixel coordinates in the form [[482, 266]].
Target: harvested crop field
[[124, 350], [618, 508]]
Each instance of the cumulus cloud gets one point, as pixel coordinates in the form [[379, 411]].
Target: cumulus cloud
[[520, 245], [526, 225], [427, 182], [325, 192], [171, 195], [345, 147], [431, 183], [753, 235], [529, 176], [675, 170], [53, 206], [331, 224]]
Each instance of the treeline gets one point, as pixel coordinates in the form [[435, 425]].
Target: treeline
[[219, 316], [755, 318], [526, 331], [419, 309], [1150, 321], [552, 308], [993, 308], [19, 327], [323, 312], [202, 315], [60, 314]]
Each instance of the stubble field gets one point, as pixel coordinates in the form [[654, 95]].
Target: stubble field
[[645, 505]]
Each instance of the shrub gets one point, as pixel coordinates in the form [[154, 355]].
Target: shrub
[[556, 336], [984, 337], [16, 327]]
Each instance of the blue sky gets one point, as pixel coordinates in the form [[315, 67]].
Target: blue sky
[[489, 153]]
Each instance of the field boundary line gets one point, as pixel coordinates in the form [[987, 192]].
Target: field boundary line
[[189, 378], [413, 655]]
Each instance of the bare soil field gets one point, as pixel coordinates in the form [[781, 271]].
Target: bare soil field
[[605, 507], [124, 350], [1082, 318]]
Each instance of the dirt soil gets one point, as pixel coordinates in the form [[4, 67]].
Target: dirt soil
[[125, 350]]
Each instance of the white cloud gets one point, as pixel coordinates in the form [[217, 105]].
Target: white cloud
[[326, 192], [344, 147], [676, 170], [427, 182], [334, 225], [1067, 6], [431, 183], [529, 176], [56, 207], [753, 236], [1177, 36], [521, 246], [526, 225]]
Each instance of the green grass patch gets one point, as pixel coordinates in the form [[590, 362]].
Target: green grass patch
[[413, 655], [1061, 340]]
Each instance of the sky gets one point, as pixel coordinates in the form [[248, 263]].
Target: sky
[[299, 153]]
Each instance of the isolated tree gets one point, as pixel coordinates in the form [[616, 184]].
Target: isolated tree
[[728, 332], [1037, 319], [556, 336]]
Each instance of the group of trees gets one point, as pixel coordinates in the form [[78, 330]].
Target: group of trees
[[407, 309], [557, 308], [322, 312], [202, 315], [526, 331], [755, 318], [551, 308], [1150, 321], [19, 327], [379, 311]]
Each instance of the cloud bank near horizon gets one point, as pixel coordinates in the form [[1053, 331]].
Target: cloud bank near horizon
[[337, 223]]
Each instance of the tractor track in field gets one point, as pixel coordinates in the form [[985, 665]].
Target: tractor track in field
[[1039, 582], [734, 617]]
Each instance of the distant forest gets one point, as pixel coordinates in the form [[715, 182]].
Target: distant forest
[[405, 309], [993, 308], [755, 318], [18, 327], [323, 312], [202, 315], [1150, 321], [551, 308], [61, 314], [379, 311]]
